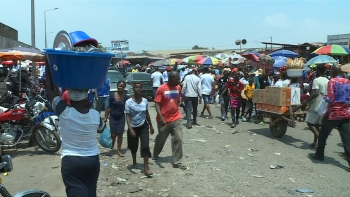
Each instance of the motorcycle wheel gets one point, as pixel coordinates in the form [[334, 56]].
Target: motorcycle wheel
[[47, 140], [32, 193]]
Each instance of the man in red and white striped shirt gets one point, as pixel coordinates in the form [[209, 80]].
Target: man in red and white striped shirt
[[337, 115]]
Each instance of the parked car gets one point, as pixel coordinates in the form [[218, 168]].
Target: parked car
[[114, 77], [144, 79]]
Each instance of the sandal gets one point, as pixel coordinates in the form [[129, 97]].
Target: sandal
[[313, 146], [180, 166], [233, 125]]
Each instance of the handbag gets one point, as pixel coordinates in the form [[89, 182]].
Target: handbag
[[322, 107], [105, 139]]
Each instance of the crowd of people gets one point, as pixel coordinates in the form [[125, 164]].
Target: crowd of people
[[230, 87]]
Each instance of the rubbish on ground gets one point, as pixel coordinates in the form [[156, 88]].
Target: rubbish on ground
[[226, 146], [216, 169], [276, 167], [104, 164], [218, 132], [121, 179], [250, 155], [241, 157], [253, 150], [135, 191], [198, 140], [54, 167], [234, 132], [291, 179], [253, 133], [211, 161], [114, 166], [277, 153], [257, 176], [250, 140], [305, 191]]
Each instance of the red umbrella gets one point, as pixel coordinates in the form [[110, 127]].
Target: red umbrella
[[251, 56], [199, 57], [7, 63]]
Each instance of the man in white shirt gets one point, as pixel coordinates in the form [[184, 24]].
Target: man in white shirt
[[183, 73], [157, 79], [284, 82], [319, 89], [207, 82], [192, 89], [165, 75]]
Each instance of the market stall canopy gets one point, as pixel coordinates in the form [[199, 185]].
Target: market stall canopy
[[321, 59], [332, 50], [209, 61], [21, 53], [284, 53], [279, 61], [254, 52], [193, 59], [251, 56], [221, 56]]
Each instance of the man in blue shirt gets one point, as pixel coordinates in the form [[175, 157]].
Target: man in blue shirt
[[102, 96]]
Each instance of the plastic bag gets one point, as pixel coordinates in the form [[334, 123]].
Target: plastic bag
[[105, 139], [217, 99], [322, 107]]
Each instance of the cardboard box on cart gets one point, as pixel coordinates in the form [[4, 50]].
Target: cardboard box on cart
[[259, 96], [283, 96]]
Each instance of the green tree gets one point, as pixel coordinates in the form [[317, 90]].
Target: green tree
[[144, 51], [100, 45], [196, 47]]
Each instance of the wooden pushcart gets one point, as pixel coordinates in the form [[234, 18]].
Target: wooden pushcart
[[279, 122]]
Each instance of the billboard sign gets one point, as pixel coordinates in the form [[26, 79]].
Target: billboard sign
[[120, 45], [341, 39]]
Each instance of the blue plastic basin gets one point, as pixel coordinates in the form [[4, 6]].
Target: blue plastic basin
[[78, 70]]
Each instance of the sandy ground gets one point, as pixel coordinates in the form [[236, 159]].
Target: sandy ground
[[222, 162]]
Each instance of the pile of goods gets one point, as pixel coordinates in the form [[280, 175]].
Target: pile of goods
[[76, 62], [295, 67], [276, 99]]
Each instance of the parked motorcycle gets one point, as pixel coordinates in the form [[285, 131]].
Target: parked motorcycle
[[5, 167], [21, 121]]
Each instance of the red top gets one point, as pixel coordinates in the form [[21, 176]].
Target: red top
[[235, 87], [65, 97], [338, 90], [168, 99], [303, 97]]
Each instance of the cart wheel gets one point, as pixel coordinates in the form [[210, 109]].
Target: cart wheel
[[279, 128]]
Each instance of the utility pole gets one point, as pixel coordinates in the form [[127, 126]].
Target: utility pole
[[33, 37], [271, 42]]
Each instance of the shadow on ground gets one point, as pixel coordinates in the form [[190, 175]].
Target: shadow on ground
[[286, 139]]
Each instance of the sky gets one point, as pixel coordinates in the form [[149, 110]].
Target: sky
[[178, 24]]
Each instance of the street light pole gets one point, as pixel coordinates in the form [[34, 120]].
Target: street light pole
[[45, 24], [33, 39]]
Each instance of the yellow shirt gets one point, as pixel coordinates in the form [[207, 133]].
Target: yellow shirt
[[134, 70], [248, 90]]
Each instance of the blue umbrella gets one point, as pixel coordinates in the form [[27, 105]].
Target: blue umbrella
[[284, 53], [254, 52], [321, 59], [279, 61]]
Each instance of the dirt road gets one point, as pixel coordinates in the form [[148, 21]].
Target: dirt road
[[222, 162]]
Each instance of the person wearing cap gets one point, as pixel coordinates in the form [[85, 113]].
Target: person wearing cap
[[79, 125], [192, 90], [165, 74]]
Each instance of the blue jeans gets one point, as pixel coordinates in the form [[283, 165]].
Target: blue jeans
[[102, 102], [206, 99], [154, 92]]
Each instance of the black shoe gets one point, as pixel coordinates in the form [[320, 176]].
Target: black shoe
[[237, 122], [315, 157]]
